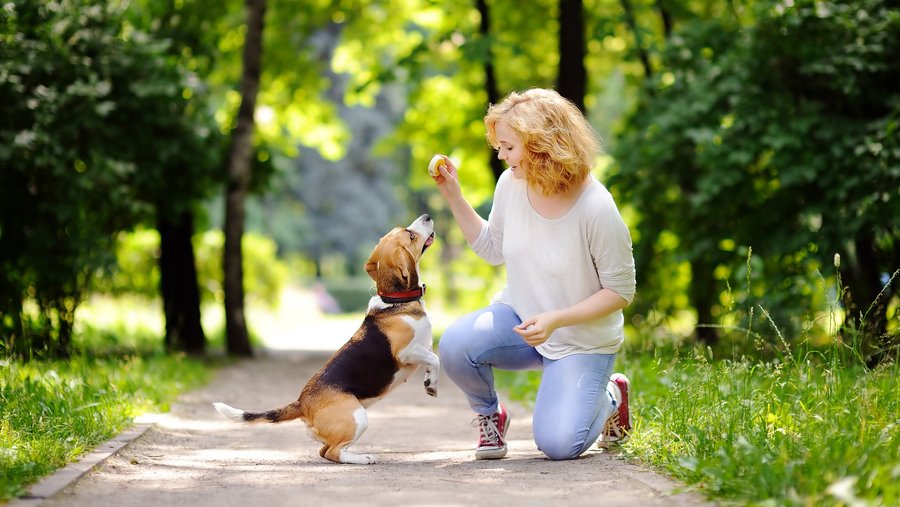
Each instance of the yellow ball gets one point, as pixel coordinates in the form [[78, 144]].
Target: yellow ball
[[436, 162]]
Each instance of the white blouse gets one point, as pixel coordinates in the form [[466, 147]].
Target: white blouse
[[556, 263]]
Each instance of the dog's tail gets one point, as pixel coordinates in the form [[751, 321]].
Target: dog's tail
[[285, 413]]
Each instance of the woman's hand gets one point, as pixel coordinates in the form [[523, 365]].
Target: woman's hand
[[448, 185], [537, 329], [447, 179]]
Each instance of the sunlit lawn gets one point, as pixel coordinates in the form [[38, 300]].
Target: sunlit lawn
[[53, 411]]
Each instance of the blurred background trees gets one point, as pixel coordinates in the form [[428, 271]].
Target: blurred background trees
[[775, 131], [747, 144]]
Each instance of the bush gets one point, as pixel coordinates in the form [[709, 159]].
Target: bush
[[352, 294], [100, 123], [136, 270], [264, 273]]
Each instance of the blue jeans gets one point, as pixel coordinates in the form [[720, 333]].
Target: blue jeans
[[572, 402]]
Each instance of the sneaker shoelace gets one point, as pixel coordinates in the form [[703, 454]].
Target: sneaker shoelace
[[490, 433], [613, 427]]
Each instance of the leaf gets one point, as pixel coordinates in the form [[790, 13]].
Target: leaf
[[105, 107], [25, 138]]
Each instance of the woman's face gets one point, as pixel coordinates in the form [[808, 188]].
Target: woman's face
[[512, 150]]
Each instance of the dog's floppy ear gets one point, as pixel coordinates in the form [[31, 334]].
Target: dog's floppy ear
[[372, 263], [406, 268], [371, 267]]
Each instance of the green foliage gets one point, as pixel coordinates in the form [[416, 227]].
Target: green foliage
[[438, 54], [136, 271], [785, 132], [98, 133], [351, 294], [458, 281], [53, 411], [812, 432], [264, 274]]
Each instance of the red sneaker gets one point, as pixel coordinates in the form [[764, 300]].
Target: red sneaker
[[492, 440], [618, 426]]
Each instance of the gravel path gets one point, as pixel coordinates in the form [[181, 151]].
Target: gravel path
[[193, 456]]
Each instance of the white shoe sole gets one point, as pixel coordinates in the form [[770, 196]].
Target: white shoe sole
[[490, 453]]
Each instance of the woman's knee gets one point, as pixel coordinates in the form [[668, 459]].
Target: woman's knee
[[559, 441], [560, 445]]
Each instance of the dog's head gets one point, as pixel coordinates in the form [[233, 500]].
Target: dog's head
[[394, 263]]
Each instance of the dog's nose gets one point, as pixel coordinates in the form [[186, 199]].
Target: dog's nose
[[426, 217]]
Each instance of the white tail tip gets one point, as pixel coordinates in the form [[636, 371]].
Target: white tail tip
[[230, 412]]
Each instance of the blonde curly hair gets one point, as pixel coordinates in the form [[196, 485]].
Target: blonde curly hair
[[560, 144]]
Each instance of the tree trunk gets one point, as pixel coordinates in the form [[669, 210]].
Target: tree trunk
[[571, 82], [178, 284], [239, 159], [666, 17], [490, 77], [638, 40], [703, 293], [865, 309]]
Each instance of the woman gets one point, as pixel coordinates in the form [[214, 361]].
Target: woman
[[570, 272]]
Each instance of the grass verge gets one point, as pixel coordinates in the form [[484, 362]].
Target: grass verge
[[816, 432], [53, 411]]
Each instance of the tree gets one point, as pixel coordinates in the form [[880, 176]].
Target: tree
[[785, 131], [71, 186], [186, 147], [490, 77], [239, 160], [571, 81], [834, 144]]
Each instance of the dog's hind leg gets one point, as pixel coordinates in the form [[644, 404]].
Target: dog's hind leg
[[338, 426]]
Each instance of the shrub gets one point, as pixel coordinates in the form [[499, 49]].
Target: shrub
[[136, 270]]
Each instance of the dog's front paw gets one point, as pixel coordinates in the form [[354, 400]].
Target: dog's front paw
[[429, 389]]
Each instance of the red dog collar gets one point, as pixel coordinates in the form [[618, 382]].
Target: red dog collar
[[403, 297]]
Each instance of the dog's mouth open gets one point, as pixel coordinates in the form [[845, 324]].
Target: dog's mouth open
[[428, 242]]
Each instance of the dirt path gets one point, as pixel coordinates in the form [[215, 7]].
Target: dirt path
[[193, 456]]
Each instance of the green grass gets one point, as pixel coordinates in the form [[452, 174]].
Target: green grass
[[772, 421], [812, 432], [53, 411]]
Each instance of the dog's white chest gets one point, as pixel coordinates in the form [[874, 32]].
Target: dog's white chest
[[411, 356], [421, 333]]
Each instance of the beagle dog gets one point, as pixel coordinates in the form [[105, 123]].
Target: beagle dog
[[393, 341]]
